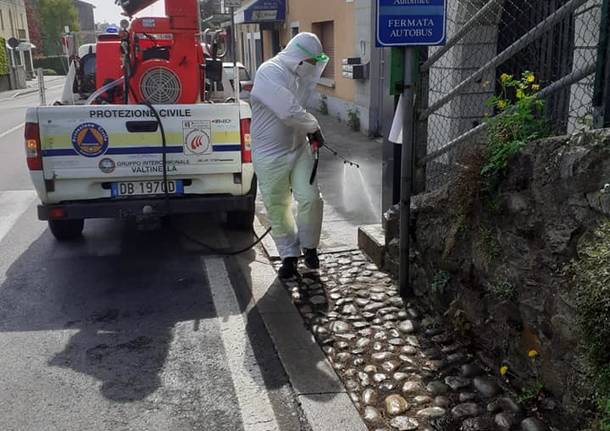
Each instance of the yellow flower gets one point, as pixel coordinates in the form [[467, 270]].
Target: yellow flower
[[503, 370], [505, 77], [501, 105], [532, 353], [520, 94], [536, 87], [530, 77]]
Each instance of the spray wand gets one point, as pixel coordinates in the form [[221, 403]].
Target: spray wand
[[339, 156], [317, 141]]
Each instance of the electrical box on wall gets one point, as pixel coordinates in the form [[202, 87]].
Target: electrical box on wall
[[352, 68]]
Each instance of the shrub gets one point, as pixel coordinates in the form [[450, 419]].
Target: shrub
[[4, 70], [353, 119], [56, 63]]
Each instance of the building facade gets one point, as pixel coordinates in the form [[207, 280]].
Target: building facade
[[86, 21], [14, 24], [344, 28]]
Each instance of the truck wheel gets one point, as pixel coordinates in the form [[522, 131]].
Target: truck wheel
[[243, 220], [64, 230]]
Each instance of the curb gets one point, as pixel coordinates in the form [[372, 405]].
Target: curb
[[317, 388], [25, 93], [371, 240]]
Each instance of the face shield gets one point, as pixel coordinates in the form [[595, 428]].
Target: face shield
[[313, 66]]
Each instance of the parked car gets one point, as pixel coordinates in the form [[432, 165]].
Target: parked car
[[223, 91], [245, 81]]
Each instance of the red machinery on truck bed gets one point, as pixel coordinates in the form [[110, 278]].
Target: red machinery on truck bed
[[164, 58]]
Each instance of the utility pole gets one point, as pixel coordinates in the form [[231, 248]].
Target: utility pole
[[406, 169]]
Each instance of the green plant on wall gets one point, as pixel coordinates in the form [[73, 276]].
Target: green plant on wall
[[439, 282], [324, 104], [591, 274], [488, 242], [520, 120], [3, 58], [533, 391], [503, 289], [353, 119]]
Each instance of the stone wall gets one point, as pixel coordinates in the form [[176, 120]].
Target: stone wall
[[500, 265]]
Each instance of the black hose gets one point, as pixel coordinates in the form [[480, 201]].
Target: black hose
[[168, 204], [163, 155], [223, 252]]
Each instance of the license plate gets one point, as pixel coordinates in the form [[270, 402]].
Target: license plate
[[145, 188]]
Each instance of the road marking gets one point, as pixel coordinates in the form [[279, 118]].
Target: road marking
[[256, 410], [12, 205], [14, 129]]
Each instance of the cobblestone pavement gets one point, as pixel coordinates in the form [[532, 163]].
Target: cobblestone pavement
[[403, 369]]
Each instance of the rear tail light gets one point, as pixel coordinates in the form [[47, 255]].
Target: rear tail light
[[32, 147], [57, 213], [247, 87], [246, 141]]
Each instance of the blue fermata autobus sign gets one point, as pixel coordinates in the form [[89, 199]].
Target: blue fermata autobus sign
[[411, 22]]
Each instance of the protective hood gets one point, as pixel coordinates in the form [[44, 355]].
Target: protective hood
[[304, 46], [300, 49]]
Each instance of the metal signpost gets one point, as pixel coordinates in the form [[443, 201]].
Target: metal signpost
[[409, 23], [232, 5]]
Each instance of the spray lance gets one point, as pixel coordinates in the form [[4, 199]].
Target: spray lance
[[317, 141]]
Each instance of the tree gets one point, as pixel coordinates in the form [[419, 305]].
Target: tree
[[54, 16], [33, 16]]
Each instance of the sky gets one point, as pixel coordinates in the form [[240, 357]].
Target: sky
[[107, 11]]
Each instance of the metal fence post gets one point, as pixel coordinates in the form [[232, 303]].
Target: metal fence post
[[41, 88], [601, 91]]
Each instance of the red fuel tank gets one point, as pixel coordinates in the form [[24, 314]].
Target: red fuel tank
[[108, 60]]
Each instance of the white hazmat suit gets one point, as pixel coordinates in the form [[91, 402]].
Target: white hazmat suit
[[281, 155]]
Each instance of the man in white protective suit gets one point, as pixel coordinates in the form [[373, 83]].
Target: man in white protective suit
[[282, 158]]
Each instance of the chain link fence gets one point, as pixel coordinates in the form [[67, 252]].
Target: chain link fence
[[556, 40]]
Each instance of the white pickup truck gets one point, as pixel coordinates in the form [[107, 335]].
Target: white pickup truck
[[111, 161]]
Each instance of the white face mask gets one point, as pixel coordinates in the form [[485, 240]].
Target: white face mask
[[307, 71]]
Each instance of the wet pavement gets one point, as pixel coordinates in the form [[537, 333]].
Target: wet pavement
[[352, 196]]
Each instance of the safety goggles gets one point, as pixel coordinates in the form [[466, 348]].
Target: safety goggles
[[320, 58]]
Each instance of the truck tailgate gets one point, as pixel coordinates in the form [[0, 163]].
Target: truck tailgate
[[124, 141]]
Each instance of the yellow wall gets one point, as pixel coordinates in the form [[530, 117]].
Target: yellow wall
[[17, 11], [267, 45], [306, 12]]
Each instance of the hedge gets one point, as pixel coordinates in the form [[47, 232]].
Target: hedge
[[56, 63], [3, 58]]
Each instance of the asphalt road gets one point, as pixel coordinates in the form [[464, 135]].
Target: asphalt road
[[130, 328]]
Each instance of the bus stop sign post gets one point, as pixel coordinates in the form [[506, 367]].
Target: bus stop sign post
[[409, 24]]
